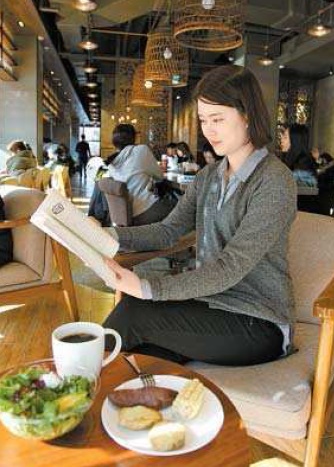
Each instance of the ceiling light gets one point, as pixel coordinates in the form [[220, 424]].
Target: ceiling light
[[91, 84], [92, 95], [167, 53], [318, 29], [41, 38], [89, 67], [148, 84], [265, 60], [281, 67], [208, 4], [331, 71], [85, 5], [52, 72], [21, 24], [93, 104], [88, 44], [178, 97]]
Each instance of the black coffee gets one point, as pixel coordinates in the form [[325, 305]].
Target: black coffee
[[78, 338]]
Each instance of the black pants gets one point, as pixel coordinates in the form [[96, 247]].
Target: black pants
[[190, 330], [83, 161]]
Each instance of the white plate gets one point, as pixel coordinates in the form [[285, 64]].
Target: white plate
[[199, 431]]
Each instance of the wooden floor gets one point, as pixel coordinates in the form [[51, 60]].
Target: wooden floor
[[25, 330]]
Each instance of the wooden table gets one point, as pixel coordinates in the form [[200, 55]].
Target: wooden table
[[89, 446]]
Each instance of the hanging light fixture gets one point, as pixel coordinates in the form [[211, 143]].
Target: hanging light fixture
[[265, 60], [88, 44], [319, 29], [85, 5], [168, 53], [209, 25], [89, 67], [158, 67], [208, 4], [143, 96], [331, 71]]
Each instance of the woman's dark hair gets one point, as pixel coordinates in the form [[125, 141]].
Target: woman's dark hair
[[16, 146], [208, 148], [171, 145], [183, 146], [124, 135], [299, 136], [236, 86]]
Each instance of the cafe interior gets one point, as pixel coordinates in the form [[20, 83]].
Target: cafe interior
[[72, 72]]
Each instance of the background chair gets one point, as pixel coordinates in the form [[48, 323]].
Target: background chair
[[31, 273], [60, 180], [287, 403], [118, 200]]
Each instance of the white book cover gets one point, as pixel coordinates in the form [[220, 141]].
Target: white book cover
[[66, 224]]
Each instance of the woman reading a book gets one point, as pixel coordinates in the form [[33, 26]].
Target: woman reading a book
[[236, 308]]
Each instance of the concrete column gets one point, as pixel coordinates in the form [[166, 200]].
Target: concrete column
[[21, 100], [268, 77]]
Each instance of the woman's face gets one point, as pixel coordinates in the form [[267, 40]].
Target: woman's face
[[285, 140], [179, 152], [224, 127]]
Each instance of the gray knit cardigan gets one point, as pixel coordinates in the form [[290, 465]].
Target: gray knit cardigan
[[241, 247]]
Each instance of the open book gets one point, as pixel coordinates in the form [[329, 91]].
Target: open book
[[66, 224]]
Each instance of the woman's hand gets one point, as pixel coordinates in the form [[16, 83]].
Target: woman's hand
[[125, 280]]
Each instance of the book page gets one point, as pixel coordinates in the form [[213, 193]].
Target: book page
[[57, 206], [66, 224]]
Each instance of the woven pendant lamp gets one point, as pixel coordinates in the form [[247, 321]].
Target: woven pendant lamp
[[209, 25], [142, 95], [165, 60]]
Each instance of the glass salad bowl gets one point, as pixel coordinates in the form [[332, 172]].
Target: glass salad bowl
[[36, 403]]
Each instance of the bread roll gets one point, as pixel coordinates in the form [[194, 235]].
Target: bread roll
[[167, 436], [138, 417]]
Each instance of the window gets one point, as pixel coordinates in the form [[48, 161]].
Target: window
[[92, 134]]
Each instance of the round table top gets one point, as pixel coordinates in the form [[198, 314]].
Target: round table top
[[89, 445]]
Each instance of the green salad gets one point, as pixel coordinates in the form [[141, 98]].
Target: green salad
[[36, 403]]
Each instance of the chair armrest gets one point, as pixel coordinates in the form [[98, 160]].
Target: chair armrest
[[128, 260], [10, 224], [324, 305]]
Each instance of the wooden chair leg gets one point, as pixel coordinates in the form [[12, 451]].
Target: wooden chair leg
[[320, 392], [64, 268]]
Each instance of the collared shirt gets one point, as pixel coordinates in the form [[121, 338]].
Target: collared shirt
[[229, 185]]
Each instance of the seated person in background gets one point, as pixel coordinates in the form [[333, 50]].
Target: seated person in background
[[64, 158], [183, 153], [295, 154], [135, 166], [321, 160], [6, 241], [21, 158], [209, 154], [237, 307], [171, 150]]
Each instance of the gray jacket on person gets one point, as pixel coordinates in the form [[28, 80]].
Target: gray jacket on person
[[241, 244]]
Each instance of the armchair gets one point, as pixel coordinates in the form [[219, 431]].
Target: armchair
[[30, 274], [287, 403]]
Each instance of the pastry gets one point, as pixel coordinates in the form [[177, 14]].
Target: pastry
[[189, 400], [155, 397], [167, 436], [138, 417]]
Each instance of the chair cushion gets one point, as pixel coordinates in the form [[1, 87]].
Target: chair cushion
[[18, 274], [273, 398]]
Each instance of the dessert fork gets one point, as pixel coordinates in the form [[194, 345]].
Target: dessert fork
[[146, 378]]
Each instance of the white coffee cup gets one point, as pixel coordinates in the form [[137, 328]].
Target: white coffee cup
[[82, 358]]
